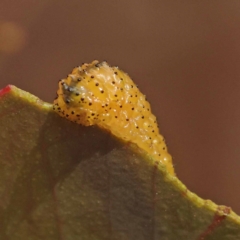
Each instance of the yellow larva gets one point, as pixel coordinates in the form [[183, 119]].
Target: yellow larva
[[97, 94]]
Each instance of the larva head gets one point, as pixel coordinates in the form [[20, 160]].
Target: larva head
[[86, 93]]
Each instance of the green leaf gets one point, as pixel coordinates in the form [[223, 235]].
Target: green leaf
[[60, 180]]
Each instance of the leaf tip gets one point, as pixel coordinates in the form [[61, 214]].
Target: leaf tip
[[5, 90]]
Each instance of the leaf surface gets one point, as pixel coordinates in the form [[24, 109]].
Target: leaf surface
[[60, 180]]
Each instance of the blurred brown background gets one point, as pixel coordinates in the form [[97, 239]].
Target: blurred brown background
[[184, 55]]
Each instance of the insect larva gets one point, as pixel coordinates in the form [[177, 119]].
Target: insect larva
[[98, 94]]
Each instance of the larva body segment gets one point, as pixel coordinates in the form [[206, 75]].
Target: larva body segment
[[97, 94]]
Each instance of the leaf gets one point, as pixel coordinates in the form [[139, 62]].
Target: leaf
[[60, 180]]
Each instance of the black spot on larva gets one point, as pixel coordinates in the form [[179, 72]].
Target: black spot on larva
[[70, 89], [127, 119], [113, 82], [93, 114], [115, 95], [67, 115], [142, 117], [82, 99], [77, 94], [72, 112], [121, 79], [102, 91], [116, 73], [97, 84], [92, 76], [90, 104], [67, 101], [115, 116], [132, 108], [120, 106]]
